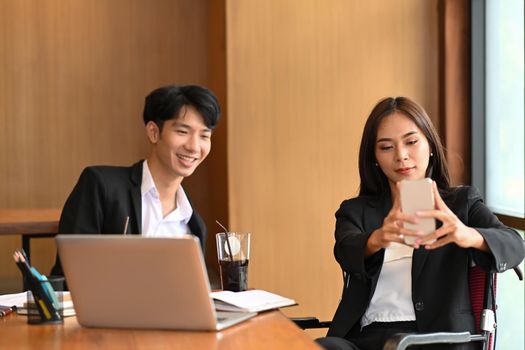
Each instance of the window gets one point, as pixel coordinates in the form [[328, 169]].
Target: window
[[498, 144], [504, 107]]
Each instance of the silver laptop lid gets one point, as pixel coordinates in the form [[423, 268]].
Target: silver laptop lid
[[137, 282]]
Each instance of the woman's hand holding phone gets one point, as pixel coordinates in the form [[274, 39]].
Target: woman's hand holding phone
[[393, 229]]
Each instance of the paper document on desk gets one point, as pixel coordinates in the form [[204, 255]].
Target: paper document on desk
[[251, 301], [17, 299]]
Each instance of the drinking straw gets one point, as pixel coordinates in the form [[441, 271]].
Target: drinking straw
[[227, 239]]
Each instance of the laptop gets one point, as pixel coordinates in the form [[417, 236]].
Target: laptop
[[119, 281]]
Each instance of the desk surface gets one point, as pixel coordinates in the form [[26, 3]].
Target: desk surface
[[29, 221], [270, 330]]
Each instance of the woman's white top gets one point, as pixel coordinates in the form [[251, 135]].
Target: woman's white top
[[392, 299]]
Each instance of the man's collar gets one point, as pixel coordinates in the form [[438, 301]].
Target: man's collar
[[147, 180], [183, 204]]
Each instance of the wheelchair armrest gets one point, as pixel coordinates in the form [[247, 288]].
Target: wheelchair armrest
[[309, 322], [401, 341]]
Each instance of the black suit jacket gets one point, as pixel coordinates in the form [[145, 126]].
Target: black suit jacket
[[103, 198], [440, 291]]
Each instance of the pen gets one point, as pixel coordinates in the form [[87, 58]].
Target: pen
[[23, 252], [6, 310], [22, 265]]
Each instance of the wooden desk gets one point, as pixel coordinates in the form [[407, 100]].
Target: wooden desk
[[29, 223], [270, 330]]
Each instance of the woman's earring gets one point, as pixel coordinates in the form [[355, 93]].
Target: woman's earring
[[376, 164], [431, 154]]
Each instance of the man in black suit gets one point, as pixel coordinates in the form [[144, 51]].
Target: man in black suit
[[147, 198]]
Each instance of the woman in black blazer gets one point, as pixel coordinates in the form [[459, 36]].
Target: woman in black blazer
[[395, 287]]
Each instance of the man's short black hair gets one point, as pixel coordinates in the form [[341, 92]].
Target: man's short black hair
[[166, 102]]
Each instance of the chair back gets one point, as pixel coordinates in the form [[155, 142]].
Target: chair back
[[482, 286]]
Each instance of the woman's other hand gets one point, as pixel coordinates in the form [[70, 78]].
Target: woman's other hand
[[452, 231]]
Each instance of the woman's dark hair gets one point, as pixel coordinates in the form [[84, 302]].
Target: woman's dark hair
[[166, 102], [373, 180]]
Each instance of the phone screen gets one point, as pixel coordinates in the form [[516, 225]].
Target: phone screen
[[417, 195]]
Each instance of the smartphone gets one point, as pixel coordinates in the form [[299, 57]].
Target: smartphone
[[417, 195]]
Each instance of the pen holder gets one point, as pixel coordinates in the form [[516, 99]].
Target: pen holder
[[57, 282], [43, 304]]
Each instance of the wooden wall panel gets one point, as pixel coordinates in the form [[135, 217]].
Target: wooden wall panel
[[73, 77], [217, 176], [302, 77]]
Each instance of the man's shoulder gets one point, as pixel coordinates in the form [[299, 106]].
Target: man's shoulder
[[107, 169], [111, 172]]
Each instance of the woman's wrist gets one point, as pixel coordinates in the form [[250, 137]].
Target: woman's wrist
[[479, 241], [371, 246]]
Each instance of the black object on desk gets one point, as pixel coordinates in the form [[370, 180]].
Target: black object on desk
[[42, 298]]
